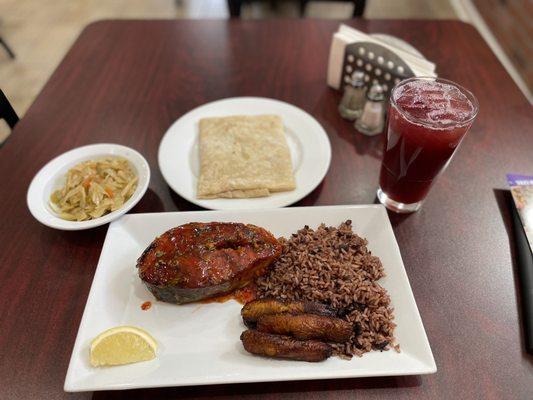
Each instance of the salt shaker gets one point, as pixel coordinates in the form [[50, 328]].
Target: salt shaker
[[353, 99], [372, 119]]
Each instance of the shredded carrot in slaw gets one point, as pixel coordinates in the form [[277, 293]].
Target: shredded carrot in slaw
[[94, 188]]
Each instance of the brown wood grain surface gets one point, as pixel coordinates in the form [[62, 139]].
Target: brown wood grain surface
[[127, 81]]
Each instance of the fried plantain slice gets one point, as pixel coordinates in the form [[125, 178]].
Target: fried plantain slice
[[257, 308], [307, 326], [266, 344]]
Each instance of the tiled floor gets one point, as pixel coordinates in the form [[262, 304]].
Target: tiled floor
[[40, 32]]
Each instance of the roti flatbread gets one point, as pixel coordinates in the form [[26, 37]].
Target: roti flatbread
[[243, 156]]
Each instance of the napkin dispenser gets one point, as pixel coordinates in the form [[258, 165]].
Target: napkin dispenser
[[384, 59]]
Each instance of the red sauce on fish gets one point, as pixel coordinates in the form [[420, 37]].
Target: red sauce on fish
[[146, 305], [246, 294], [198, 255]]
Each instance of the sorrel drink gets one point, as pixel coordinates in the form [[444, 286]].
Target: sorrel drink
[[428, 118]]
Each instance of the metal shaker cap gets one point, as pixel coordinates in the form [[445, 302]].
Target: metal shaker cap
[[358, 79], [375, 93]]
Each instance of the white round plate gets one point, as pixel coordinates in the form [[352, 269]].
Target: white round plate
[[52, 176], [308, 143]]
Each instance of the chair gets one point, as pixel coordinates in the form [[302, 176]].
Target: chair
[[358, 7], [234, 7], [7, 113]]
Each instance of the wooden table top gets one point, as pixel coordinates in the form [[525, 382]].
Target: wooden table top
[[127, 81]]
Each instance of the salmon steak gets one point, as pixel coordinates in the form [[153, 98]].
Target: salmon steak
[[198, 260]]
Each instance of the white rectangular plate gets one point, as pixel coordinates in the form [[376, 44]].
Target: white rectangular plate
[[199, 343]]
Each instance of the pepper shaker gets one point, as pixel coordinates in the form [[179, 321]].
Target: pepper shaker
[[353, 99], [372, 119]]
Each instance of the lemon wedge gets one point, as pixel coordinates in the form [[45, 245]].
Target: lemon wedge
[[122, 345]]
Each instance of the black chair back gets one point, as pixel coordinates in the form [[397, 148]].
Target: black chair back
[[7, 113]]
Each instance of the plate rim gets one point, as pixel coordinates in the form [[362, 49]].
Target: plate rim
[[36, 208], [426, 367], [204, 203]]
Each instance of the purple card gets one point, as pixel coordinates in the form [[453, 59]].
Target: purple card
[[522, 191]]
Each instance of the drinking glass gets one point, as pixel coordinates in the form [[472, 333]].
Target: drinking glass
[[428, 118]]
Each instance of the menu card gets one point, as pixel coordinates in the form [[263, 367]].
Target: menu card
[[522, 191]]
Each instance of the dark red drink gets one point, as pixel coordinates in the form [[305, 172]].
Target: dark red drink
[[428, 118]]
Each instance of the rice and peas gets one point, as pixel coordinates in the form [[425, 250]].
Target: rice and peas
[[333, 266]]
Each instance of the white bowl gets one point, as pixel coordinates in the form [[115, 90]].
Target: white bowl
[[52, 175]]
